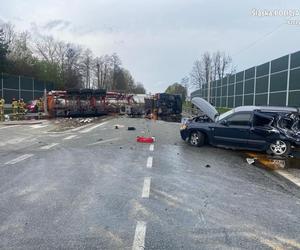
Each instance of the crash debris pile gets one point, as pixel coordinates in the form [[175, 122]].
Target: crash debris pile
[[63, 124]]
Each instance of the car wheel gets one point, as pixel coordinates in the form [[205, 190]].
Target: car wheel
[[279, 148], [196, 138]]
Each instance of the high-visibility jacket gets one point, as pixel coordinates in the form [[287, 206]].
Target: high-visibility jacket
[[14, 104], [40, 105], [2, 102]]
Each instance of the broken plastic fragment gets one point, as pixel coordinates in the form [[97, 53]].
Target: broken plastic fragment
[[145, 139], [250, 160]]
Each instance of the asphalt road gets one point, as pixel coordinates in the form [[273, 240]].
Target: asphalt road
[[97, 188]]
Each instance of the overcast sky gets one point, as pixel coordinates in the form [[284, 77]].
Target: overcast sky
[[158, 40]]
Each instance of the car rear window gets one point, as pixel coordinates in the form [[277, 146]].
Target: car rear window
[[240, 119]]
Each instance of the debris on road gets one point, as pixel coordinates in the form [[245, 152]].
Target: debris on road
[[207, 166], [143, 139], [250, 160], [117, 126], [131, 128]]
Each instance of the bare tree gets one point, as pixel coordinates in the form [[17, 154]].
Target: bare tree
[[196, 75], [209, 68], [86, 66], [20, 48], [222, 63], [46, 48]]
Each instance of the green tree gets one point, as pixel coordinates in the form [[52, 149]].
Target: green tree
[[3, 51], [177, 89]]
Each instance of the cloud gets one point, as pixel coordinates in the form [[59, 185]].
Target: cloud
[[57, 24], [159, 40]]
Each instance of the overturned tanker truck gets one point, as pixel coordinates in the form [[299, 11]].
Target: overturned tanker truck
[[86, 102], [164, 104]]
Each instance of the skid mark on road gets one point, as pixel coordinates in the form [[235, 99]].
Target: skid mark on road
[[139, 236], [146, 187], [149, 162], [18, 159], [49, 146], [104, 141]]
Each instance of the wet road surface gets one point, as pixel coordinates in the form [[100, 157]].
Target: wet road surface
[[95, 187]]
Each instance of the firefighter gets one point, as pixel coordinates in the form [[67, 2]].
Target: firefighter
[[21, 106], [2, 102], [39, 105], [14, 105]]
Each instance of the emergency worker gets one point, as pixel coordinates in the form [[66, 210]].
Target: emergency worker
[[21, 106], [39, 105], [14, 105], [2, 102]]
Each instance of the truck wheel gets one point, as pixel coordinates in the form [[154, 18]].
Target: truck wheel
[[197, 138], [279, 148]]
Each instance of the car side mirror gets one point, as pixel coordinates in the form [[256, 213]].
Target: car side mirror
[[224, 122]]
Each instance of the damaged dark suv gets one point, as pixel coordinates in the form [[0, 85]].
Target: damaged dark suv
[[272, 129]]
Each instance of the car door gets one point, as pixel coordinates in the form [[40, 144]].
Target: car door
[[261, 130], [233, 131]]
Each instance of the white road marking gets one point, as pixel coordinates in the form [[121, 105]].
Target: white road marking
[[151, 148], [146, 187], [13, 141], [76, 129], [139, 236], [149, 162], [92, 128], [289, 176], [49, 146], [70, 137], [104, 141], [11, 126], [38, 126], [18, 159]]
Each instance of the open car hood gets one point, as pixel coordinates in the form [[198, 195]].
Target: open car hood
[[205, 107]]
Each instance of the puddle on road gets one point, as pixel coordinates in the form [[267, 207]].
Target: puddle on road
[[276, 162]]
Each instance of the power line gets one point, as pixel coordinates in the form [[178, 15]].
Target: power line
[[258, 40]]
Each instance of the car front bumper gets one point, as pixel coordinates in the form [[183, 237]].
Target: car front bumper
[[184, 134]]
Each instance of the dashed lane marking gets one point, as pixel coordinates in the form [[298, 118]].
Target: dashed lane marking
[[49, 146], [139, 236], [18, 159], [70, 137], [146, 187], [92, 128], [289, 176], [151, 148], [104, 141], [149, 162]]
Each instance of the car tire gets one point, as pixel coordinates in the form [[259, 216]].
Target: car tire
[[196, 139], [279, 148]]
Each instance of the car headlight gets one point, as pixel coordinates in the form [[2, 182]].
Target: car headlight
[[183, 126]]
